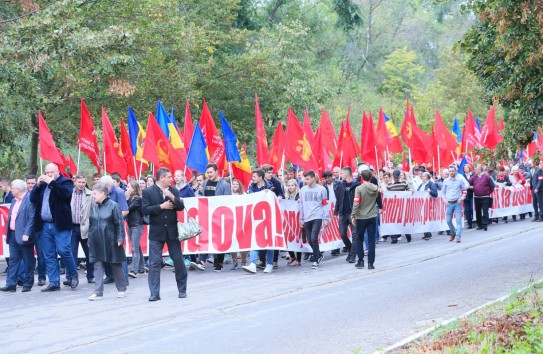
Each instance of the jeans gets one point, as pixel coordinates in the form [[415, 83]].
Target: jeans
[[57, 242], [75, 241], [253, 256], [455, 208], [468, 211], [135, 233], [312, 229], [539, 195], [376, 232], [19, 254], [369, 225], [481, 211], [41, 257], [344, 223]]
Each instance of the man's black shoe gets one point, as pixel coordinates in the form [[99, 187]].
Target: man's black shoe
[[182, 295], [408, 237], [67, 282], [26, 289], [75, 282], [20, 282], [479, 228], [41, 282], [109, 280], [8, 289], [50, 288], [360, 265], [394, 241], [154, 297], [306, 256], [370, 266]]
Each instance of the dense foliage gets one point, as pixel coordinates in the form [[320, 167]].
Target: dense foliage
[[314, 54]]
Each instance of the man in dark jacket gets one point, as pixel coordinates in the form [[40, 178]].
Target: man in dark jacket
[[52, 196], [429, 187], [20, 238], [537, 183], [161, 202], [482, 186], [343, 208], [276, 184]]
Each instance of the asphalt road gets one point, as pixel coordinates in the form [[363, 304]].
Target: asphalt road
[[335, 309]]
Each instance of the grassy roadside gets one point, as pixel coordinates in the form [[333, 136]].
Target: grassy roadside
[[514, 325]]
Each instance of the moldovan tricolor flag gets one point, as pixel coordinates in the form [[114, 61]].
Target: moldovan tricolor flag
[[87, 137]]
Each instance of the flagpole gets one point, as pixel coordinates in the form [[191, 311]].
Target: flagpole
[[456, 160], [438, 157], [409, 163], [104, 163], [141, 165], [78, 156], [283, 161], [41, 166], [135, 168], [377, 162], [388, 157], [231, 177], [341, 160]]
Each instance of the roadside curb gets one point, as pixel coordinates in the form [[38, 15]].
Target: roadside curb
[[446, 322]]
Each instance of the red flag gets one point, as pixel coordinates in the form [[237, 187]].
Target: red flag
[[262, 156], [444, 137], [215, 144], [419, 152], [407, 127], [489, 133], [277, 148], [87, 137], [188, 127], [113, 156], [308, 130], [321, 155], [298, 150], [329, 138], [471, 137], [367, 141], [405, 165], [439, 156], [346, 153], [73, 167], [48, 150], [158, 149], [127, 152], [386, 135]]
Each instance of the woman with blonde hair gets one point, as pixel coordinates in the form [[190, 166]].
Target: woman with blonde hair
[[237, 189], [292, 192]]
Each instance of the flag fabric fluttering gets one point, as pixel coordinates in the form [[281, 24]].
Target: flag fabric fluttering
[[277, 147], [489, 133], [87, 141], [298, 150], [230, 141], [48, 149], [158, 149], [73, 167], [215, 144], [367, 141], [328, 134], [308, 129], [137, 141], [471, 138], [198, 155], [395, 145], [262, 156], [162, 118], [127, 151], [113, 156], [242, 170], [445, 139]]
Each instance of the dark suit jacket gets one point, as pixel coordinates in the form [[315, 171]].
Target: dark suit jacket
[[24, 224], [162, 223], [59, 202]]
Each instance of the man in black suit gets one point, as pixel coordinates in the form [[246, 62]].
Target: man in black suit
[[20, 237], [161, 202]]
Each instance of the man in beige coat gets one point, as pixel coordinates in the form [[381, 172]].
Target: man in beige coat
[[364, 215]]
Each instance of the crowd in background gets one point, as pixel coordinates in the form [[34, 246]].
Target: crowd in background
[[42, 208]]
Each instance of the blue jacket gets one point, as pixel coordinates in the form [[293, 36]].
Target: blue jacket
[[59, 202], [24, 224], [186, 192], [433, 189]]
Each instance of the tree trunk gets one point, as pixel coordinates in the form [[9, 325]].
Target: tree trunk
[[33, 163]]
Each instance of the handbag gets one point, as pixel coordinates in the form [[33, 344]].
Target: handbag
[[189, 229]]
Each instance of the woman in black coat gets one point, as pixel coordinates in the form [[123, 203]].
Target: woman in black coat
[[106, 237]]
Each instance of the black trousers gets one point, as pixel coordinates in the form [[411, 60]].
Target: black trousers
[[481, 210], [311, 230], [155, 265]]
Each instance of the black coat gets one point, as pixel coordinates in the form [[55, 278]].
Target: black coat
[[106, 229], [135, 212], [59, 202], [162, 222]]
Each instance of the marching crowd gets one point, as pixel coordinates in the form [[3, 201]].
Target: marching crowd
[[52, 215]]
